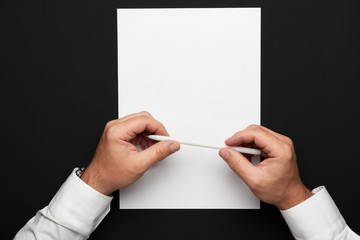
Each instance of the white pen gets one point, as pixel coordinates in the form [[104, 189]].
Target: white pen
[[251, 151]]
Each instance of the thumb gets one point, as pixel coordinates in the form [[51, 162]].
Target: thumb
[[158, 152], [238, 163]]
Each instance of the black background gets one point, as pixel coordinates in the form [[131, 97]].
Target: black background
[[59, 88]]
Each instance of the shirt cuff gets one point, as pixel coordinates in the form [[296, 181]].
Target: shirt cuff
[[79, 207], [315, 218]]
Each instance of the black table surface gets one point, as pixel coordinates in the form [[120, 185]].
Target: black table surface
[[59, 87]]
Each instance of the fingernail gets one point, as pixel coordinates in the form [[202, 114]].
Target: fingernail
[[173, 147], [224, 154]]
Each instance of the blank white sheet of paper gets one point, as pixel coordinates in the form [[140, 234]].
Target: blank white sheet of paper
[[196, 70]]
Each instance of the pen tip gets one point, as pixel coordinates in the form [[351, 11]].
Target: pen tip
[[152, 137]]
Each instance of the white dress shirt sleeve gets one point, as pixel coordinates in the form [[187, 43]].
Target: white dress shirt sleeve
[[74, 212], [318, 218]]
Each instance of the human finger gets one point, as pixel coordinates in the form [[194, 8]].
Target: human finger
[[132, 127], [278, 135], [267, 142], [157, 152], [239, 164], [119, 120]]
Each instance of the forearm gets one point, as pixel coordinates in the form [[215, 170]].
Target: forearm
[[44, 226], [318, 218], [74, 212]]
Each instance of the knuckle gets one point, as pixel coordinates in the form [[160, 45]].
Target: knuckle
[[145, 118], [288, 150], [256, 128], [237, 166], [145, 113], [111, 132], [289, 141], [109, 123], [160, 153], [251, 126]]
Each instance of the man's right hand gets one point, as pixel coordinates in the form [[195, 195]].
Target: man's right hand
[[275, 180]]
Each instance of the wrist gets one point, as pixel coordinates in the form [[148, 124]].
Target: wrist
[[294, 197], [92, 177]]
